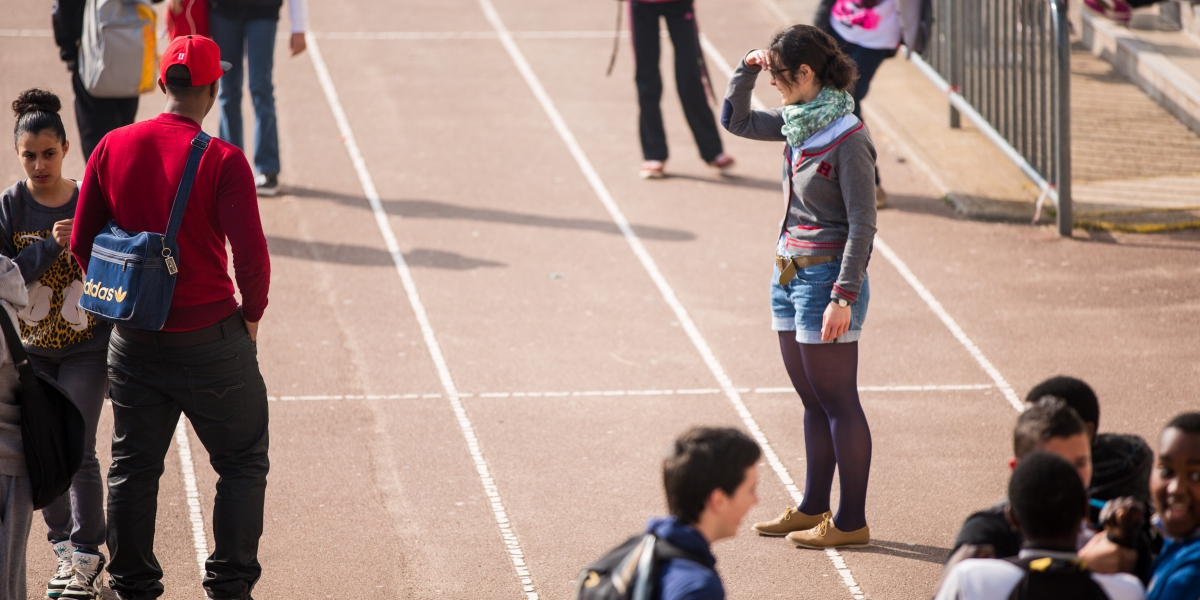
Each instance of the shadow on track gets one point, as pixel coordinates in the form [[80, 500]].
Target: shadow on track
[[432, 209], [352, 254], [773, 185], [929, 554]]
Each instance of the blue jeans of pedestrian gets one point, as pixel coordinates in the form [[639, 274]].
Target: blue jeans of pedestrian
[[248, 44]]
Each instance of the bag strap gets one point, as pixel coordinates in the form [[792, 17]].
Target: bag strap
[[17, 348], [199, 144]]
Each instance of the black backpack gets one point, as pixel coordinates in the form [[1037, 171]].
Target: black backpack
[[629, 571], [1054, 579]]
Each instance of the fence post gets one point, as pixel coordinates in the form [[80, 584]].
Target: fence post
[[1063, 113], [953, 33]]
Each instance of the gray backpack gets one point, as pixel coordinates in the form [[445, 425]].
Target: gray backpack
[[118, 55]]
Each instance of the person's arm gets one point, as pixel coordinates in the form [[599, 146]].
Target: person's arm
[[92, 213], [67, 20], [237, 211], [856, 175], [737, 116], [298, 14], [37, 258]]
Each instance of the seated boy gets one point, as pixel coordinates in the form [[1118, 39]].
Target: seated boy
[[1049, 425], [1121, 466], [1121, 463], [1175, 488], [711, 479], [1047, 503]]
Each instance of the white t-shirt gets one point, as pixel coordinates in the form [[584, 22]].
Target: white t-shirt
[[877, 27], [994, 579]]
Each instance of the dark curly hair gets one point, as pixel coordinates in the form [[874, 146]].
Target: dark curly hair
[[37, 110], [806, 45]]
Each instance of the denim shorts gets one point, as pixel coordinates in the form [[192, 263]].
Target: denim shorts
[[800, 305]]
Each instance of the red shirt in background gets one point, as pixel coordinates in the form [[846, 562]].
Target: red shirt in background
[[131, 179]]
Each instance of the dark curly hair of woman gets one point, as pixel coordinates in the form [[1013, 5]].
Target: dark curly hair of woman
[[806, 45], [37, 110]]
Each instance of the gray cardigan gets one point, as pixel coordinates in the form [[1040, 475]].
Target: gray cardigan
[[831, 196], [12, 298]]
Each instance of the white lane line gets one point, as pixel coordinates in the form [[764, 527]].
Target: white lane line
[[26, 33], [937, 308], [651, 268], [592, 393], [435, 352], [950, 324], [199, 538]]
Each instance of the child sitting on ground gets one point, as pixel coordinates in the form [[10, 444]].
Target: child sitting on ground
[[1047, 503], [1048, 425], [1175, 488]]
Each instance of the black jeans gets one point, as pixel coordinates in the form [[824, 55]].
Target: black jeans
[[98, 116], [217, 385], [689, 77]]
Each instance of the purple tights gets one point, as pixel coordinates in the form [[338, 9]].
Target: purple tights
[[835, 428]]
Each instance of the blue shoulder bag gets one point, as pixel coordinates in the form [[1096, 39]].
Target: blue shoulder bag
[[131, 276]]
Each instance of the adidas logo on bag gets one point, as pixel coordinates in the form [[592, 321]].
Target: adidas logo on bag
[[99, 292]]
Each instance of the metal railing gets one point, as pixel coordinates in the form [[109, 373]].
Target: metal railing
[[1005, 65]]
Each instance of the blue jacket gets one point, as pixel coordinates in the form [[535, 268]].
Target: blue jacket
[[682, 579], [1177, 570]]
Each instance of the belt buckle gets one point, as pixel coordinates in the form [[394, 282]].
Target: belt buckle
[[787, 269]]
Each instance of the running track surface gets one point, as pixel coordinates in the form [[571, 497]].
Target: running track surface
[[476, 364]]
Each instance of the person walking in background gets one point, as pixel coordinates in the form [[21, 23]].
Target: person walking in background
[[63, 342], [245, 31], [16, 493], [95, 117], [187, 17], [869, 32], [820, 289], [690, 81], [204, 362]]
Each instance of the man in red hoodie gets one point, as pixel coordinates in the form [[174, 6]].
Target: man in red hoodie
[[203, 363]]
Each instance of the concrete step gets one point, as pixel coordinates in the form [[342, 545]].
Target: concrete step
[[1159, 51]]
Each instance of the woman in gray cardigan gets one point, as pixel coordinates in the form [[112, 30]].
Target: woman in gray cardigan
[[819, 291]]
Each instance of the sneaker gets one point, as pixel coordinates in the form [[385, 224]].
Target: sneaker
[[66, 570], [652, 169], [791, 520], [1117, 10], [267, 184], [722, 161], [880, 198], [827, 535], [84, 586]]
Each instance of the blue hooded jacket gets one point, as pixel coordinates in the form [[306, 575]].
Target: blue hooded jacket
[[682, 579], [1177, 570]]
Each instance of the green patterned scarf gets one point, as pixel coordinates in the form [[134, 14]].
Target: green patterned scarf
[[801, 121]]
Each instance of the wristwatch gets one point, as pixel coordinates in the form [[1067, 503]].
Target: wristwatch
[[839, 301]]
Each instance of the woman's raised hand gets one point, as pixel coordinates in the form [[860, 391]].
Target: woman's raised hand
[[759, 58]]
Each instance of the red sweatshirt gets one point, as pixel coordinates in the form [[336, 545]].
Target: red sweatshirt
[[131, 179]]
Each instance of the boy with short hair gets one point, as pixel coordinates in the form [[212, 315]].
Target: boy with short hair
[[1047, 505], [1049, 425], [1121, 462], [1175, 488], [711, 479]]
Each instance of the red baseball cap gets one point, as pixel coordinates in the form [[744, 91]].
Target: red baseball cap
[[199, 54]]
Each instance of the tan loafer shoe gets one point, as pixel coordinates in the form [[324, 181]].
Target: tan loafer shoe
[[881, 198], [791, 520], [826, 535]]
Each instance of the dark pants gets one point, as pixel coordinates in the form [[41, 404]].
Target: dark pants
[[98, 116], [689, 77], [217, 385], [78, 515], [868, 61]]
